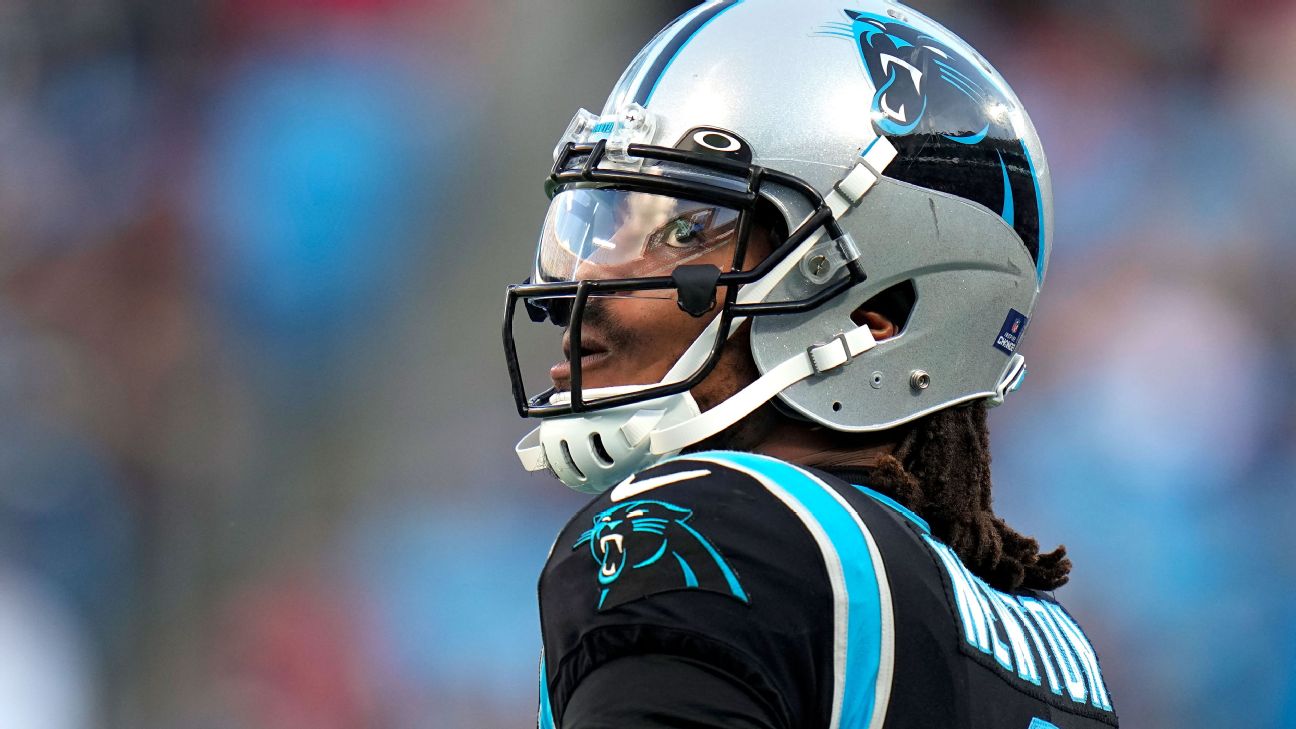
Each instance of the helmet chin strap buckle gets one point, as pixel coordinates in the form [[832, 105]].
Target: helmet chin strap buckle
[[829, 356], [862, 176]]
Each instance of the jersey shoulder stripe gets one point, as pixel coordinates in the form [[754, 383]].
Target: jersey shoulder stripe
[[863, 623], [545, 717]]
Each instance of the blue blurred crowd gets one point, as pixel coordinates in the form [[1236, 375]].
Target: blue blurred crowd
[[255, 459]]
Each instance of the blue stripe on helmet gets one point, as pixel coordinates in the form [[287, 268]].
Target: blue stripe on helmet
[[663, 62], [1039, 206]]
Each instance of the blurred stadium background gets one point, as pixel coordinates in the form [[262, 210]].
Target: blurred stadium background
[[255, 452]]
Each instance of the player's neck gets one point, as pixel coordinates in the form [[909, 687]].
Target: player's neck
[[807, 445]]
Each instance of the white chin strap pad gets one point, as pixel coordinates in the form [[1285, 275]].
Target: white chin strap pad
[[591, 452]]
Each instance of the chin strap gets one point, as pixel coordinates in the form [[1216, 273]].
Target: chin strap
[[815, 360], [861, 178]]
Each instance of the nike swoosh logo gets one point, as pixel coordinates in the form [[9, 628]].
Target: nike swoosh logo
[[631, 487]]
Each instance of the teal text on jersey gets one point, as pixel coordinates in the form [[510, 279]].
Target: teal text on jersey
[[1006, 626]]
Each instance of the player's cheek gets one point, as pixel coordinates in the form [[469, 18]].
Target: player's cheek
[[660, 332]]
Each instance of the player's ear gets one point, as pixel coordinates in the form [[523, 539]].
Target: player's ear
[[888, 311], [878, 323]]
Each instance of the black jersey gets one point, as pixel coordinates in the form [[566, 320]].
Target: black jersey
[[732, 589]]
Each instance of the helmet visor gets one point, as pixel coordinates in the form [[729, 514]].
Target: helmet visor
[[600, 233]]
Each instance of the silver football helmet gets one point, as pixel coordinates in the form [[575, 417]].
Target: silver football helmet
[[900, 164]]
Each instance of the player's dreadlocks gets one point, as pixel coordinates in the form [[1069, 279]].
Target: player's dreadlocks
[[941, 470]]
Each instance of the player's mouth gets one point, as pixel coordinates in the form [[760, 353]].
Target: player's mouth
[[594, 353]]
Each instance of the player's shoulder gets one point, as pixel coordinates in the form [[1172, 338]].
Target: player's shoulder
[[746, 563], [743, 485], [837, 513], [724, 474], [740, 525], [707, 522], [747, 487]]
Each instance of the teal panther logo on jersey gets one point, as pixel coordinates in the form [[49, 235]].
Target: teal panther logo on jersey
[[646, 547]]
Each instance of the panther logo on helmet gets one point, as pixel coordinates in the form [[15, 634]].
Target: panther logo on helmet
[[941, 111]]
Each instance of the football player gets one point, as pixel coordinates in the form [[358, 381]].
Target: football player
[[793, 259]]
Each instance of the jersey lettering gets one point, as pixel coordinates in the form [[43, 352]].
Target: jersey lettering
[[1006, 627], [1084, 651]]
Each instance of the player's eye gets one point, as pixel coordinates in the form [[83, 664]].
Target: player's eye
[[683, 231]]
